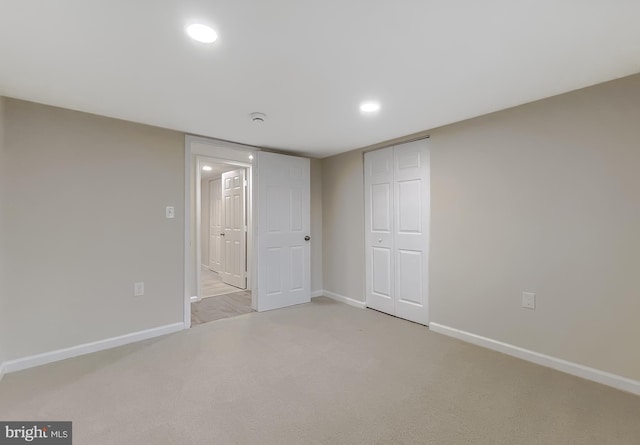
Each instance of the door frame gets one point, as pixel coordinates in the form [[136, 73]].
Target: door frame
[[197, 149]]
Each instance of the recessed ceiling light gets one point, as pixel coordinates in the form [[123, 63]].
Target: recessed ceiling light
[[207, 168], [250, 156], [369, 107], [202, 33]]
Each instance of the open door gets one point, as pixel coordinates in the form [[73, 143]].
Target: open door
[[283, 247], [234, 229]]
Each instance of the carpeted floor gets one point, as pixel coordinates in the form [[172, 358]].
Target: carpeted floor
[[319, 373]]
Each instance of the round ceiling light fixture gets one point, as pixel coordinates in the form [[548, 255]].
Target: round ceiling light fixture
[[202, 33], [207, 168], [369, 107]]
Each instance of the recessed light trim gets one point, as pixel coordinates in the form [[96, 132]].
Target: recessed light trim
[[207, 168], [369, 107], [202, 33]]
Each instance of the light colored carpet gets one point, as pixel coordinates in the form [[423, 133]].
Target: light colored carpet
[[211, 284], [319, 373], [220, 306]]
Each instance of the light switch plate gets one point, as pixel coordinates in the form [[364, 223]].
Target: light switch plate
[[171, 212], [138, 289], [528, 300]]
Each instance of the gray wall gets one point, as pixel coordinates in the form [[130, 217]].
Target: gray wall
[[4, 334], [316, 225], [540, 198], [85, 221], [343, 225]]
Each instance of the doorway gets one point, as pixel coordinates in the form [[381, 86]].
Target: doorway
[[222, 291], [278, 222]]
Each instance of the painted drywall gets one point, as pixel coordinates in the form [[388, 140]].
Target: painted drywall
[[85, 219], [543, 198], [3, 293], [205, 202], [540, 198], [316, 225], [343, 225]]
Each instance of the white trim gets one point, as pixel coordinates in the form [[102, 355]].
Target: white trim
[[343, 299], [317, 293], [1, 371], [195, 298], [596, 375], [87, 348]]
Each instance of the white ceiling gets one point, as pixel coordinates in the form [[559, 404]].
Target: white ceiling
[[308, 65]]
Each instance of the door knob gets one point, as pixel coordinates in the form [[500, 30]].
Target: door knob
[[222, 234], [307, 238]]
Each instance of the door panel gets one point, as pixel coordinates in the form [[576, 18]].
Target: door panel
[[411, 191], [283, 271], [234, 229], [379, 285], [381, 262], [215, 225], [409, 206]]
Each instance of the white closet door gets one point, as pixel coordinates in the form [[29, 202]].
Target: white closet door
[[397, 230], [379, 258], [411, 234]]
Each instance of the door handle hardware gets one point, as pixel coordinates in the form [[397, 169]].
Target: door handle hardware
[[307, 238], [222, 234]]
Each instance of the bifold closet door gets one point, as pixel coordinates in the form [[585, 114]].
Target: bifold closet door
[[397, 223], [378, 207]]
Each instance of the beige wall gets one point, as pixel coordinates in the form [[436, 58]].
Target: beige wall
[[85, 221], [316, 225], [343, 225], [541, 198], [3, 294]]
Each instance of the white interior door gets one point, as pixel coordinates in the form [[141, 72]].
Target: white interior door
[[397, 230], [234, 229], [411, 212], [283, 269], [215, 225], [379, 259]]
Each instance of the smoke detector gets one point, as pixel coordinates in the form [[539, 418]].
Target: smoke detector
[[258, 117]]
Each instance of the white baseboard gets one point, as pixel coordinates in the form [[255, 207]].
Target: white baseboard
[[341, 298], [195, 298], [1, 371], [87, 348], [317, 293], [596, 375]]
